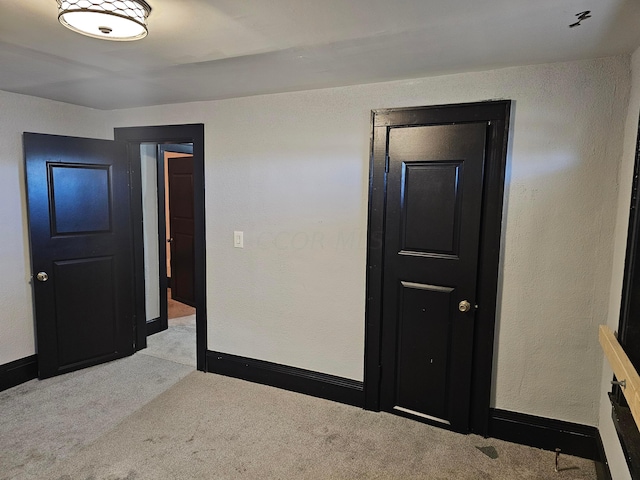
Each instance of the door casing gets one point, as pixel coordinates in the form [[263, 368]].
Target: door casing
[[497, 114], [169, 134]]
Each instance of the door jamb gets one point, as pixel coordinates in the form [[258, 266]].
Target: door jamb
[[497, 114], [189, 133]]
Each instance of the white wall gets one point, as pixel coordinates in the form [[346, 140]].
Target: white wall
[[149, 174], [20, 113], [617, 463], [290, 170]]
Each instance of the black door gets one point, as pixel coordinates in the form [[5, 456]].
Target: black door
[[435, 214], [181, 224], [434, 198], [81, 250]]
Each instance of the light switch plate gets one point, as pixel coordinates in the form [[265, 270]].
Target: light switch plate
[[238, 239]]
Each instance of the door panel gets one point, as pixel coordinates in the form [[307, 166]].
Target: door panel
[[431, 207], [434, 201], [83, 334], [423, 347], [181, 214], [80, 233], [80, 196]]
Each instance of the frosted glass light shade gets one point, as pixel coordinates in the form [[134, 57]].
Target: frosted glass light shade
[[120, 20]]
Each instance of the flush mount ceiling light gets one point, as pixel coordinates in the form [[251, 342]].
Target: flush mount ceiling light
[[107, 19]]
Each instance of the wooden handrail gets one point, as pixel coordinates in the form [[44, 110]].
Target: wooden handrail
[[623, 370]]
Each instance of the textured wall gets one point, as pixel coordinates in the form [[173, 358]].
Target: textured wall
[[290, 170], [20, 113], [619, 470], [559, 229], [149, 172]]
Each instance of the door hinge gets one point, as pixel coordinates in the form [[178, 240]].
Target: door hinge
[[386, 163]]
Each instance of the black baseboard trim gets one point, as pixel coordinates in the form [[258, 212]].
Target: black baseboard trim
[[602, 465], [545, 433], [19, 371], [153, 326], [295, 379], [627, 434]]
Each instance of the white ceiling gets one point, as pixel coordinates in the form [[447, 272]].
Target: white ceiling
[[213, 49]]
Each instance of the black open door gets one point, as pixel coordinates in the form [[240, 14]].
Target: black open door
[[81, 250], [182, 221]]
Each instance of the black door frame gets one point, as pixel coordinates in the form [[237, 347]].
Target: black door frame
[[169, 134], [497, 115]]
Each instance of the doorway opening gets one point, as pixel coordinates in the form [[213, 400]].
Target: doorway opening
[[169, 256], [181, 148]]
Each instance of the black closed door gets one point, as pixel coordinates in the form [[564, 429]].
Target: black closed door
[[431, 238], [181, 224], [81, 250]]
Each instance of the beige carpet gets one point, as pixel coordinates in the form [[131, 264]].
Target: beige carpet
[[213, 427], [44, 421], [189, 320], [177, 343]]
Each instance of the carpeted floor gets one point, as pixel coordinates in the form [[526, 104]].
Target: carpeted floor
[[177, 343], [151, 416], [213, 427], [43, 422]]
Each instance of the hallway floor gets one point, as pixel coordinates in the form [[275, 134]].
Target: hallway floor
[[177, 343], [178, 309]]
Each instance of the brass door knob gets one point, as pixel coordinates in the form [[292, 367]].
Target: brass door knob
[[464, 306], [42, 276]]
